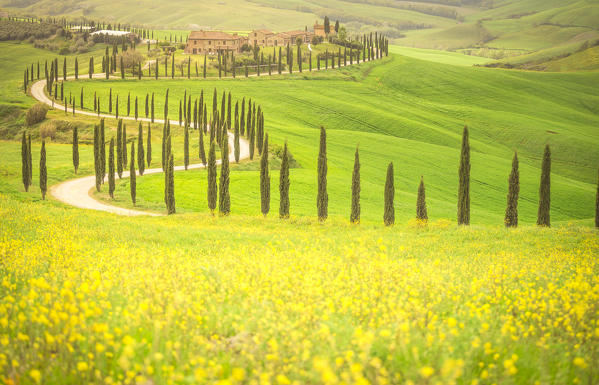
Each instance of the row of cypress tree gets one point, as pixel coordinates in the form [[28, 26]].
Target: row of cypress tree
[[27, 165]]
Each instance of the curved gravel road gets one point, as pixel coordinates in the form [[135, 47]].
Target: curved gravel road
[[77, 192]]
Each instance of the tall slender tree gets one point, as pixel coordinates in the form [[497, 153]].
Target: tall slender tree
[[149, 146], [102, 148], [29, 160], [389, 213], [186, 146], [140, 150], [236, 148], [322, 200], [224, 200], [119, 149], [212, 187], [75, 149], [124, 143], [464, 181], [97, 158], [264, 181], [43, 170], [355, 190], [202, 153], [284, 185], [421, 212], [24, 162], [111, 168], [132, 176], [511, 210], [543, 216], [170, 206]]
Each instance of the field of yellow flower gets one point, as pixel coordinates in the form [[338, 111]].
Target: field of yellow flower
[[95, 298]]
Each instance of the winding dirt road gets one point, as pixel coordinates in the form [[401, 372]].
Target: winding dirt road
[[77, 192]]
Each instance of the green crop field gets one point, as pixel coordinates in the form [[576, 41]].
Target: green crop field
[[198, 297]]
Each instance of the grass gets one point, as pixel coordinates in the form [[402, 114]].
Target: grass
[[410, 112], [194, 298]]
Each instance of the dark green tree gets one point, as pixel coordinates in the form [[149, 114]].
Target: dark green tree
[[111, 168], [202, 153], [464, 181], [186, 146], [322, 200], [212, 187], [124, 143], [284, 185], [224, 200], [264, 180], [75, 149], [119, 149], [355, 190], [43, 171], [389, 214], [132, 176], [29, 160], [149, 146], [140, 151], [97, 158], [25, 177], [421, 212], [76, 69], [543, 216], [236, 142], [170, 205], [511, 211]]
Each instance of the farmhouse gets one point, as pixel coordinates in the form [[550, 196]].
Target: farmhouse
[[200, 42]]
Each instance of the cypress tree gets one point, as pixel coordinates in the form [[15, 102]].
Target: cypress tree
[[132, 181], [464, 181], [322, 200], [355, 190], [91, 67], [81, 98], [242, 118], [212, 188], [202, 153], [186, 147], [224, 200], [389, 214], [264, 180], [140, 150], [149, 146], [24, 163], [136, 109], [170, 207], [421, 212], [29, 161], [597, 205], [102, 148], [124, 143], [180, 113], [204, 74], [75, 149], [122, 69], [152, 109], [128, 103], [284, 185], [147, 106], [543, 217], [511, 211], [76, 69], [43, 171], [236, 142], [110, 101], [252, 143], [97, 170], [119, 148], [111, 168]]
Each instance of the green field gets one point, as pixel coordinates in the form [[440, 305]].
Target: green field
[[410, 112]]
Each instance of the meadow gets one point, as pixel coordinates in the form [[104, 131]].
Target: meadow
[[408, 111], [89, 297]]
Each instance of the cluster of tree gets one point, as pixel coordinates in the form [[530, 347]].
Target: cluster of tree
[[27, 167], [11, 29]]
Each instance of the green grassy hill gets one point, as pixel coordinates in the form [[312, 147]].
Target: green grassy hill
[[410, 112]]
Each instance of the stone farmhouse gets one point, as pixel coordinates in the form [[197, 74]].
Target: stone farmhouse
[[211, 42]]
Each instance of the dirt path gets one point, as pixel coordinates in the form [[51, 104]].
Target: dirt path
[[77, 192]]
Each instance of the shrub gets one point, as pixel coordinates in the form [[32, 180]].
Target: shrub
[[48, 130], [36, 114]]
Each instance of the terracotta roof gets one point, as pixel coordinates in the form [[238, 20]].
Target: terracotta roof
[[212, 35]]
